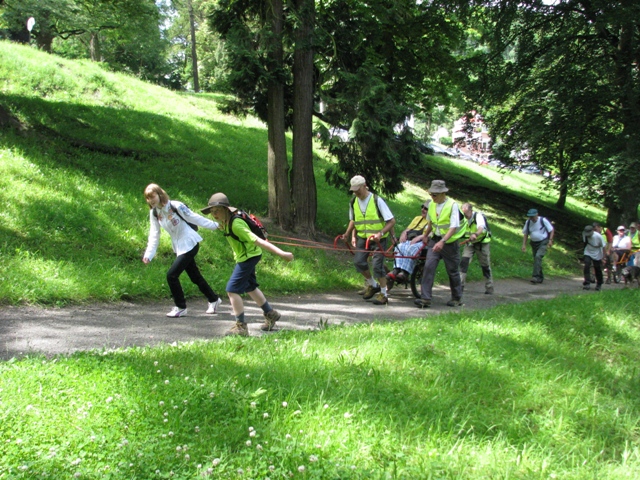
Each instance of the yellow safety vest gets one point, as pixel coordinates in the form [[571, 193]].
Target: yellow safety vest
[[369, 223], [635, 241], [443, 221], [484, 236]]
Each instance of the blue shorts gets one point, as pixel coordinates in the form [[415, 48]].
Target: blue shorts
[[243, 278]]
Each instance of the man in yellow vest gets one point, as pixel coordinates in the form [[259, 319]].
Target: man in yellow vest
[[443, 221], [371, 219], [478, 239]]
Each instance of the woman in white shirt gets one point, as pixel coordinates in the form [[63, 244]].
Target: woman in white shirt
[[173, 216], [621, 244]]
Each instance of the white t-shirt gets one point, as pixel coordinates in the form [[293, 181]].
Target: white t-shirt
[[539, 230], [594, 246], [622, 243]]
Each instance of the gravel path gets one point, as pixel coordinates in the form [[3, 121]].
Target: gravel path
[[50, 331]]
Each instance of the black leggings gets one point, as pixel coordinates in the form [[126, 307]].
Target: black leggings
[[187, 263]]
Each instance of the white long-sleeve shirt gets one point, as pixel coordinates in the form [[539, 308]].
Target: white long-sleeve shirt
[[183, 237]]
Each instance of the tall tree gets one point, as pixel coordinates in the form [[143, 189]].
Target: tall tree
[[600, 40]]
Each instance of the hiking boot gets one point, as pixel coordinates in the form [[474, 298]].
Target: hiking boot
[[381, 299], [422, 303], [488, 291], [240, 329], [213, 306], [363, 289], [270, 319], [177, 312], [535, 280], [598, 287], [454, 303], [370, 292]]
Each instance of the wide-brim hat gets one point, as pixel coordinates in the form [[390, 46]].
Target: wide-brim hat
[[218, 200], [438, 186], [532, 212]]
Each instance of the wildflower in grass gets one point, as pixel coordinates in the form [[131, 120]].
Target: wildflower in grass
[[271, 468], [348, 415], [197, 429], [178, 448], [155, 364], [187, 457], [297, 412], [185, 402], [252, 433], [265, 415], [287, 436], [216, 462], [211, 395], [109, 400], [76, 462], [186, 378], [259, 447], [161, 403], [326, 405], [165, 414], [313, 458], [285, 404], [253, 404], [248, 443], [209, 471], [171, 434], [251, 429], [166, 382], [158, 371], [301, 468], [240, 471]]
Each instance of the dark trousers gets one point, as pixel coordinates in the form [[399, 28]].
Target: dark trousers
[[597, 266], [450, 253], [187, 263], [539, 249]]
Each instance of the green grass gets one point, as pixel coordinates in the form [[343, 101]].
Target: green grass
[[74, 222], [535, 391]]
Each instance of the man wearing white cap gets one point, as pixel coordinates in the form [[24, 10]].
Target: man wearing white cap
[[621, 244], [371, 218]]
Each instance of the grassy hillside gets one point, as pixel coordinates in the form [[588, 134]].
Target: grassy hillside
[[79, 144]]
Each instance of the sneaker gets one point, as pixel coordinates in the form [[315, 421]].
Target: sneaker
[[240, 329], [422, 303], [177, 312], [381, 299], [370, 292], [454, 303], [213, 306], [270, 319], [488, 291]]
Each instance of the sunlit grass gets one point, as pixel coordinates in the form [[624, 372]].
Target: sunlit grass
[[74, 221], [537, 391]]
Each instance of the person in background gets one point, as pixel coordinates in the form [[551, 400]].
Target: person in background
[[621, 245], [478, 243], [247, 251], [541, 233], [173, 216], [370, 216], [635, 243], [593, 255], [607, 237]]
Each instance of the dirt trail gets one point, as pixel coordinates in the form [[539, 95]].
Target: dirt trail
[[30, 330]]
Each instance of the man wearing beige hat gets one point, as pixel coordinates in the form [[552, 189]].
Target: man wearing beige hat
[[635, 242], [444, 222], [371, 218]]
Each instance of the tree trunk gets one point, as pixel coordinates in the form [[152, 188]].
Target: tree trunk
[[303, 183], [194, 54], [278, 165], [94, 47]]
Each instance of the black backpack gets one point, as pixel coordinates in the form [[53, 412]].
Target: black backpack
[[255, 225], [175, 210], [486, 223]]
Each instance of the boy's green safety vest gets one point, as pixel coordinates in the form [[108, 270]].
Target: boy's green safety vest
[[369, 223], [635, 241], [443, 221]]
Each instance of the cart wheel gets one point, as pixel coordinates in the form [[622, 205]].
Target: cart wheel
[[416, 278]]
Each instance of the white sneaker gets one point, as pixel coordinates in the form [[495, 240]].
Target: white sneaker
[[177, 312], [213, 306]]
